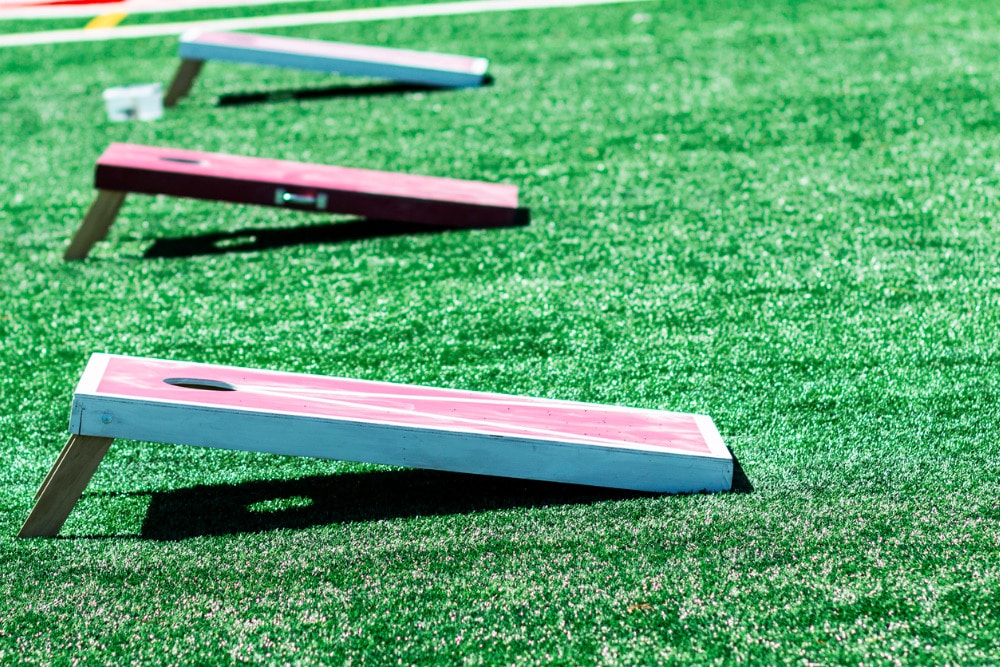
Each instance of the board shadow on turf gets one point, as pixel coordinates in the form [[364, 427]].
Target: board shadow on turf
[[352, 497], [331, 92], [252, 240], [226, 509], [741, 483], [268, 505]]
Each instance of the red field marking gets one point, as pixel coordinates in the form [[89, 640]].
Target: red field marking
[[264, 22], [74, 8], [148, 5], [57, 3], [60, 3]]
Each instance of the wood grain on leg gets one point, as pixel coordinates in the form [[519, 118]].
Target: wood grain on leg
[[95, 224], [48, 475], [64, 485], [179, 87]]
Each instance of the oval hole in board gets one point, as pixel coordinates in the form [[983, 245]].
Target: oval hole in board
[[197, 383], [182, 160]]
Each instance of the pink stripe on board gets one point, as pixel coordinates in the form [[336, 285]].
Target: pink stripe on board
[[401, 405], [340, 51]]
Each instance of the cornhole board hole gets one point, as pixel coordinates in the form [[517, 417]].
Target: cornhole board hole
[[375, 422], [445, 202], [419, 67]]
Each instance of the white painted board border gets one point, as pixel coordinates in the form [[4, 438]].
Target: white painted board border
[[634, 467], [347, 67], [403, 446], [87, 388]]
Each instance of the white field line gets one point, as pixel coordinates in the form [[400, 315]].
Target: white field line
[[280, 21], [26, 9]]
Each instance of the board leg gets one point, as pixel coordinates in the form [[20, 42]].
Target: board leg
[[55, 466], [64, 485], [95, 224], [182, 82]]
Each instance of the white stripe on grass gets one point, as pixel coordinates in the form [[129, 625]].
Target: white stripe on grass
[[280, 21], [28, 10]]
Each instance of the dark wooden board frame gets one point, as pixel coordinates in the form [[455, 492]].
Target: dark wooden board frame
[[151, 170]]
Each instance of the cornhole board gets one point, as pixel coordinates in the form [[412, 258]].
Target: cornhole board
[[153, 170], [431, 69], [375, 422]]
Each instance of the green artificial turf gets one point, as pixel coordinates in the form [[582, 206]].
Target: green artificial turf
[[783, 215]]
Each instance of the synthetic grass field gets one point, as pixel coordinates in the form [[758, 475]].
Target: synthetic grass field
[[780, 214]]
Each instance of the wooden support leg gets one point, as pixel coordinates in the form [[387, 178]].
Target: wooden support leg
[[64, 485], [48, 475], [182, 82], [95, 225]]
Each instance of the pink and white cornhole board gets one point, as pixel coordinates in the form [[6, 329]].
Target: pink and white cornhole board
[[420, 67], [317, 188], [377, 422]]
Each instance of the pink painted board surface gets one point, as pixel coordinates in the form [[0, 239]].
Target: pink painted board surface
[[251, 180], [275, 392], [305, 175], [340, 51]]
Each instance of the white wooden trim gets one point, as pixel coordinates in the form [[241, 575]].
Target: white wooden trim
[[717, 448], [367, 63], [712, 436], [368, 421], [93, 373], [294, 435]]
